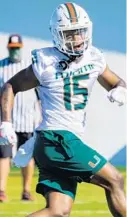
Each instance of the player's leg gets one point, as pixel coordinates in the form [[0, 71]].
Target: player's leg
[[5, 154], [27, 172], [99, 181], [58, 190], [58, 205], [116, 181], [92, 161]]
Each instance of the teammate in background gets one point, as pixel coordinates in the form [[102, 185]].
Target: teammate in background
[[25, 117], [65, 75]]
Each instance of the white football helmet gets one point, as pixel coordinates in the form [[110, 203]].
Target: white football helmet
[[71, 29]]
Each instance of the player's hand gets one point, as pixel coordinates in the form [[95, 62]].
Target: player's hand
[[119, 95], [7, 134]]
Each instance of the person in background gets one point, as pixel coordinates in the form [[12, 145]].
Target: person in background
[[25, 117]]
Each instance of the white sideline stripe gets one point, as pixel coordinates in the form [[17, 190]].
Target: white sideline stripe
[[88, 201], [90, 212], [35, 203], [73, 212]]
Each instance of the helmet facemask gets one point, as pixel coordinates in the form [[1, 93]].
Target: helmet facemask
[[75, 41]]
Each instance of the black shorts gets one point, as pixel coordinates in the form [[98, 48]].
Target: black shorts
[[6, 150]]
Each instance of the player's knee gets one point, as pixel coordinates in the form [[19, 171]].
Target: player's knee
[[54, 213], [61, 213]]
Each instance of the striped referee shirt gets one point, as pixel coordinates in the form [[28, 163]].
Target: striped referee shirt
[[26, 111]]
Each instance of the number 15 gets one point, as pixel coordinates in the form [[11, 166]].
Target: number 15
[[73, 89]]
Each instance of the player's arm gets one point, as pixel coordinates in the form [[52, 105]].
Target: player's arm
[[115, 85], [109, 80], [22, 81]]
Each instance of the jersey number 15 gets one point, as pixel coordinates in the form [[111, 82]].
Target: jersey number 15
[[72, 88]]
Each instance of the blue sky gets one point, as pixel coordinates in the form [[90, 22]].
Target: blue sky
[[31, 18]]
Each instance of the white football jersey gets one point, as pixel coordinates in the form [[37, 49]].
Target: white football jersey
[[65, 88]]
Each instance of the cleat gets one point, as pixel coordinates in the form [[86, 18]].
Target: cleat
[[26, 196]]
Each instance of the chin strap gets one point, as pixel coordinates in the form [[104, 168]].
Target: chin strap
[[72, 58]]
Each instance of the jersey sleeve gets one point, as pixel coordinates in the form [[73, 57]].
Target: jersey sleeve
[[37, 64], [102, 62], [99, 58]]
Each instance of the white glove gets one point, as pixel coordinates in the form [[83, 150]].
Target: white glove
[[7, 134], [119, 95]]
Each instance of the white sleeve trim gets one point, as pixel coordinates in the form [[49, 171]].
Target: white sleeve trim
[[37, 64], [36, 74]]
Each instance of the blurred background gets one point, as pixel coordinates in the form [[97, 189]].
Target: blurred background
[[106, 122]]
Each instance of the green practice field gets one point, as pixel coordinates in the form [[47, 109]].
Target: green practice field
[[90, 200]]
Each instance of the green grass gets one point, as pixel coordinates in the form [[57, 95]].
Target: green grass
[[90, 200]]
